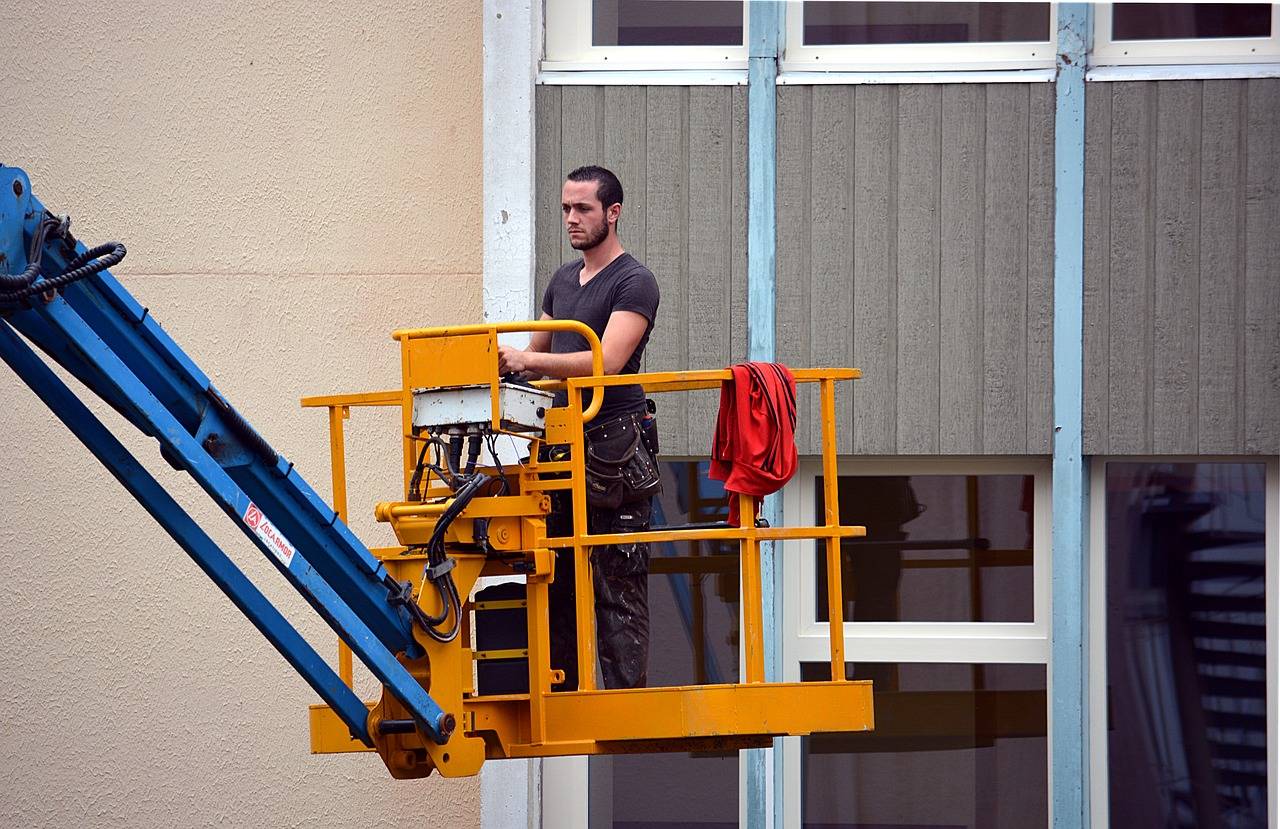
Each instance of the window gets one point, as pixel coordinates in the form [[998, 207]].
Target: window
[[946, 610], [1169, 33], [880, 36], [645, 34], [969, 740], [1186, 714]]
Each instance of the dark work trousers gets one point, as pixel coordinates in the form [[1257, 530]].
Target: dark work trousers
[[620, 577]]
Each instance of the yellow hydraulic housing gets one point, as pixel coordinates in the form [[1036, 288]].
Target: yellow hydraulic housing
[[444, 363]]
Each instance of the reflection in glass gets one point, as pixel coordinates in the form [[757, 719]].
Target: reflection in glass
[[939, 548], [841, 23], [954, 746], [666, 22], [1186, 644], [1183, 21], [693, 617]]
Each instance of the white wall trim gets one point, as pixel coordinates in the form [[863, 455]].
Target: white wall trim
[[512, 38], [645, 77], [510, 790], [1184, 72], [972, 76]]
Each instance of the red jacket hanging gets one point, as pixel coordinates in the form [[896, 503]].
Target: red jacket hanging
[[754, 449]]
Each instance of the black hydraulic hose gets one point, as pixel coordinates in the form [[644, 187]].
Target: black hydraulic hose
[[13, 283], [92, 261], [473, 452]]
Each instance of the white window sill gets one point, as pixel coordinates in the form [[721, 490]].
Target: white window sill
[[644, 77], [971, 76], [1187, 72]]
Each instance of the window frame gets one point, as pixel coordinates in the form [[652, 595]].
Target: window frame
[[1024, 642], [567, 46], [1192, 51], [911, 57], [1100, 779]]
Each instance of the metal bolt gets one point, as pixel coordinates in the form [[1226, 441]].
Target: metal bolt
[[17, 187], [446, 724]]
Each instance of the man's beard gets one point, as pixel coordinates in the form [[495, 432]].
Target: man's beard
[[591, 238]]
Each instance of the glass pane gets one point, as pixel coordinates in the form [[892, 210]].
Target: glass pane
[[1186, 644], [1184, 21], [693, 618], [954, 746], [939, 548], [841, 24], [666, 23]]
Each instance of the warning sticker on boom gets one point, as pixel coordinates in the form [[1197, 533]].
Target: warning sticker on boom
[[273, 538]]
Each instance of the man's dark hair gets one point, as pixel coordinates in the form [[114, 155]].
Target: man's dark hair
[[608, 188]]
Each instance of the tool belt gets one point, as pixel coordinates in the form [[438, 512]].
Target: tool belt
[[622, 461]]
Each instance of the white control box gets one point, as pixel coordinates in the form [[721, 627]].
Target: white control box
[[523, 408]]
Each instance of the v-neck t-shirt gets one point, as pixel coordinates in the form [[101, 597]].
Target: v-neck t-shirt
[[622, 285]]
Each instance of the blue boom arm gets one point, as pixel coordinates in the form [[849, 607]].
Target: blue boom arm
[[60, 297]]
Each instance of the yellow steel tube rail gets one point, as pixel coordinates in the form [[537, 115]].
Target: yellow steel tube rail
[[540, 729], [597, 352]]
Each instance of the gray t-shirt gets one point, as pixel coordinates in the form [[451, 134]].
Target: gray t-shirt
[[623, 285]]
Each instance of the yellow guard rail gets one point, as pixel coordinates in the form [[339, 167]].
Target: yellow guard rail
[[589, 720]]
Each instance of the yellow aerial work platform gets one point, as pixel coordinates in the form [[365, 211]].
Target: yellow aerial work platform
[[450, 371]]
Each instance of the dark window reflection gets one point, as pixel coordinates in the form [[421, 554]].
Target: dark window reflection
[[1186, 644], [954, 746], [939, 548], [840, 23], [1183, 21], [693, 617], [666, 22]]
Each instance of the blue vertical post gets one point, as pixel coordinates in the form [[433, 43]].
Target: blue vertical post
[[1069, 763], [764, 32]]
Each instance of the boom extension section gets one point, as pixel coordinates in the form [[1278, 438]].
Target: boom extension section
[[466, 512]]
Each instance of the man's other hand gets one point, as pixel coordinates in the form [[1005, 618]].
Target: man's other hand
[[512, 360]]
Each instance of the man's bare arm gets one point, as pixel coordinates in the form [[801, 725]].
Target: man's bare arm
[[621, 336]]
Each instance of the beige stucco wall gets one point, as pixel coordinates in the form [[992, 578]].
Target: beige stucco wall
[[293, 181]]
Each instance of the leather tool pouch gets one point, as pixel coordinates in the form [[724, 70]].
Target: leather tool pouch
[[621, 466]]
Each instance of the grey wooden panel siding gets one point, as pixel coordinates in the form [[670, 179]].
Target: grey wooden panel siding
[[1182, 267], [915, 241], [681, 154]]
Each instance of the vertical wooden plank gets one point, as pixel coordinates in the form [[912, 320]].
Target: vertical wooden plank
[[624, 154], [581, 128], [1221, 148], [961, 246], [738, 230], [794, 268], [667, 247], [547, 221], [1097, 265], [919, 130], [1262, 265], [1004, 414], [1132, 191], [875, 265], [830, 330], [1039, 333], [710, 193], [1175, 355]]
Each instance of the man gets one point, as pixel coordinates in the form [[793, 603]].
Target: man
[[617, 297]]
